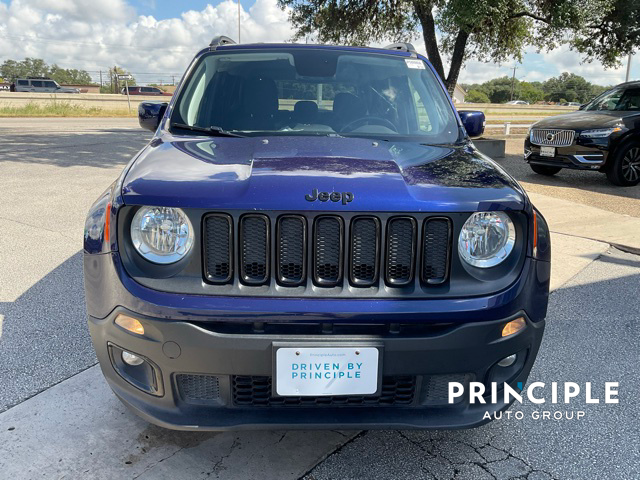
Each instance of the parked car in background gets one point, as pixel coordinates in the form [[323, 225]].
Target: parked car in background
[[137, 90], [517, 102], [603, 136], [311, 239], [42, 85]]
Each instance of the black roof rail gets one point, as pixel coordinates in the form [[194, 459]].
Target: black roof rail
[[403, 47], [220, 40]]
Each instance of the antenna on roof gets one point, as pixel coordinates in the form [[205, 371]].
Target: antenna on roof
[[220, 41]]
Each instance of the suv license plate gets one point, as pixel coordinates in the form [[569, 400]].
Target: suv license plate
[[319, 371], [547, 151]]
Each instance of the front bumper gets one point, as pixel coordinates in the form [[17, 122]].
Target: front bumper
[[577, 157], [467, 352], [444, 340]]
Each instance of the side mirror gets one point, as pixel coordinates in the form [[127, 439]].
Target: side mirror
[[473, 122], [581, 107], [150, 114]]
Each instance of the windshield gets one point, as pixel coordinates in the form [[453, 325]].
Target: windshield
[[620, 99], [316, 92]]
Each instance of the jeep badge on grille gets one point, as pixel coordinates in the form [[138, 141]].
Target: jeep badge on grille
[[346, 197]]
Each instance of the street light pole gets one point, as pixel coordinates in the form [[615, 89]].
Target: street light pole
[[239, 9], [628, 69]]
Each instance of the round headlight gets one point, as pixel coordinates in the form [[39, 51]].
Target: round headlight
[[161, 234], [486, 239]]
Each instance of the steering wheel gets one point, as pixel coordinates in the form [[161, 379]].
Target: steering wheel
[[349, 127]]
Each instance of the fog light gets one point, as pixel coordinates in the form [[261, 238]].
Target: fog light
[[514, 326], [130, 324], [507, 361], [131, 359]]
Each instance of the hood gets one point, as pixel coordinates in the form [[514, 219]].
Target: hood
[[281, 173], [583, 120]]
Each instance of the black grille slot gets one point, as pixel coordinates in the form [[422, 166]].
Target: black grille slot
[[401, 247], [254, 249], [292, 242], [257, 392], [199, 389], [365, 250], [327, 251], [435, 388], [218, 241], [436, 250]]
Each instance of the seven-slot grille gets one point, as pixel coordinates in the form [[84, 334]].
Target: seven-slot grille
[[362, 251], [552, 137]]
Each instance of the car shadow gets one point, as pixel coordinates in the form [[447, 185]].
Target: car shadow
[[43, 334]]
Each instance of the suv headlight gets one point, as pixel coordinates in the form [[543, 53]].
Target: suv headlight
[[599, 132], [161, 234], [486, 239]]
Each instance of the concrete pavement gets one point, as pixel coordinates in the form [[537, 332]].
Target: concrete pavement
[[78, 429]]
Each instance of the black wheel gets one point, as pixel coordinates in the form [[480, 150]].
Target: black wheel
[[544, 170], [625, 169]]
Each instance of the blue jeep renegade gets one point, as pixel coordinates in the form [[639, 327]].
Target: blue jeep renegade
[[311, 240]]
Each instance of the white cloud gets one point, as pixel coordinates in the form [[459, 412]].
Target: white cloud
[[97, 34]]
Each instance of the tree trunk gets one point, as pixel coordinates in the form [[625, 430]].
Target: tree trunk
[[457, 58], [424, 13]]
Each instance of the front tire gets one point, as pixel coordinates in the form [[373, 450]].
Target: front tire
[[544, 170], [625, 169]]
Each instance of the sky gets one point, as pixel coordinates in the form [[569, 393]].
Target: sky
[[156, 39]]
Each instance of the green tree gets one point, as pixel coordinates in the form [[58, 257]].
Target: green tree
[[69, 75], [499, 89], [476, 96], [529, 92], [568, 87], [36, 67], [487, 30]]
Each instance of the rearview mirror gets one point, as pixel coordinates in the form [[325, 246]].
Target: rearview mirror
[[473, 122], [150, 114]]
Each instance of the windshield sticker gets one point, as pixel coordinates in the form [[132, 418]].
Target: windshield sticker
[[413, 63]]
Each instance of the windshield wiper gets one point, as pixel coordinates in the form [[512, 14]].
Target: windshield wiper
[[212, 130]]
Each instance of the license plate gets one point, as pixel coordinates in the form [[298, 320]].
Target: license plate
[[314, 371], [547, 151]]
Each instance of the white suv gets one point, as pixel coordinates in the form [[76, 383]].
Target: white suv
[[42, 85]]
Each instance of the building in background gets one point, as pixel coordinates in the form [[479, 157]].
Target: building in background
[[459, 94]]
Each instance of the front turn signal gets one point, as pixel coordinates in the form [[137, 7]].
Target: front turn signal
[[130, 324], [514, 326]]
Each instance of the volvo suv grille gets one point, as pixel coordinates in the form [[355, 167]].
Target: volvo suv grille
[[551, 137]]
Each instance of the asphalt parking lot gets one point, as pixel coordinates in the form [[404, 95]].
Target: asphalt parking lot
[[52, 170]]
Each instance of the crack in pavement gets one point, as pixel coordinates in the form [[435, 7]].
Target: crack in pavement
[[218, 464]]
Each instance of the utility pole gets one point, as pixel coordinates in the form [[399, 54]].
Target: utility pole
[[100, 78], [513, 81], [628, 69], [239, 10]]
